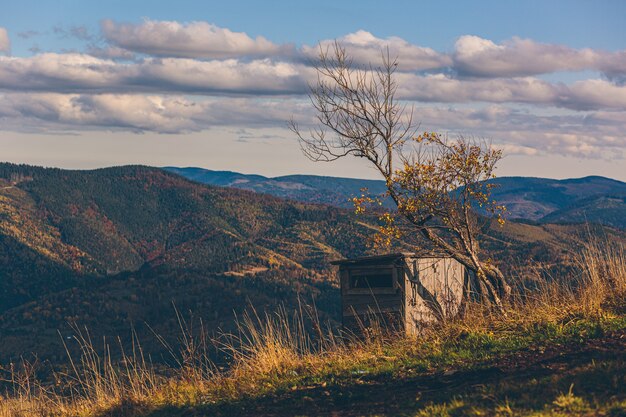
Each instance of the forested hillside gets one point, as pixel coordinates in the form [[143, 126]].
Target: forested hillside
[[118, 246]]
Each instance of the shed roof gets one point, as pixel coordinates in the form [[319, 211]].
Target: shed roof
[[385, 257], [388, 257]]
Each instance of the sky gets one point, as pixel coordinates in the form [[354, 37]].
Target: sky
[[86, 84]]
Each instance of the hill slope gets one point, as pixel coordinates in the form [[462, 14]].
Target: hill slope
[[535, 198], [115, 247], [605, 209]]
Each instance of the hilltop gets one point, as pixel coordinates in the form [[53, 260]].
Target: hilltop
[[547, 200], [309, 188]]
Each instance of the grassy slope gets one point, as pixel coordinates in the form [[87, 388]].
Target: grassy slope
[[574, 368], [559, 351]]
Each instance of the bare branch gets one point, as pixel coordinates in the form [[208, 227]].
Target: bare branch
[[435, 182]]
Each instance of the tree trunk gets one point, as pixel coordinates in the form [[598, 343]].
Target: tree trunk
[[495, 276], [486, 287]]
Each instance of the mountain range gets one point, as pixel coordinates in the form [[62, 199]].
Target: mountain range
[[591, 199], [122, 248]]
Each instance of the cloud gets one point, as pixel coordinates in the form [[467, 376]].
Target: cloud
[[517, 131], [81, 73], [5, 42], [28, 34], [188, 40], [138, 113], [472, 56], [594, 94], [170, 77], [475, 56], [259, 77], [366, 48], [109, 52], [59, 72], [591, 94], [511, 149], [614, 67], [72, 72], [79, 32]]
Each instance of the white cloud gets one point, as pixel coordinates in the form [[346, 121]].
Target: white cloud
[[263, 76], [110, 52], [188, 40], [58, 72], [366, 48], [581, 95], [593, 94], [519, 131], [80, 73], [138, 113], [511, 149], [5, 42], [516, 130], [169, 77], [475, 56]]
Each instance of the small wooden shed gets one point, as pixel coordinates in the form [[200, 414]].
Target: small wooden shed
[[398, 288]]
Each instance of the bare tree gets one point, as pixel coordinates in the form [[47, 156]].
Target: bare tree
[[434, 181]]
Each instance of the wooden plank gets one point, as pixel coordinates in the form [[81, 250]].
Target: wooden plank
[[390, 304], [365, 299], [377, 302], [360, 312], [366, 291]]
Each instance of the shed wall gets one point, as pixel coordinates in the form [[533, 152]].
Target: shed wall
[[360, 306], [443, 278], [401, 304]]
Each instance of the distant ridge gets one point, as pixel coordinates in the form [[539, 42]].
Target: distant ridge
[[306, 188], [573, 200]]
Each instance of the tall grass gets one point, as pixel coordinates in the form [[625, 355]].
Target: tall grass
[[596, 286], [283, 349]]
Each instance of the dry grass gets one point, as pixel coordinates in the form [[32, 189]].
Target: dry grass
[[598, 287], [280, 351]]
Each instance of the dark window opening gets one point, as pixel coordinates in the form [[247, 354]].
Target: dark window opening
[[371, 281]]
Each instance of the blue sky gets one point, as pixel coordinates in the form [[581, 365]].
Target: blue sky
[[598, 24], [86, 84]]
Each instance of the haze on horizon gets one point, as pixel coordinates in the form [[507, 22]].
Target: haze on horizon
[[86, 85]]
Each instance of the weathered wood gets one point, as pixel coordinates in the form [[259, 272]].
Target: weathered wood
[[418, 284], [395, 302]]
